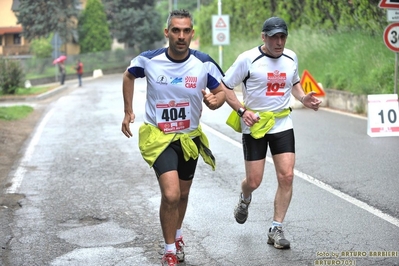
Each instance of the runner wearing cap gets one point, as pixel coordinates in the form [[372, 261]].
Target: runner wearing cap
[[268, 75]]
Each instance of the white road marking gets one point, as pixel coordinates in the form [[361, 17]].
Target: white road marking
[[320, 184], [22, 168]]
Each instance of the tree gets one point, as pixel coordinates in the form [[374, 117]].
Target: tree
[[41, 47], [134, 22], [39, 18], [94, 34]]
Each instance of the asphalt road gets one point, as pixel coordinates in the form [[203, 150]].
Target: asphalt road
[[88, 197]]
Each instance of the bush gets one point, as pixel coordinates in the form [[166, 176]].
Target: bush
[[120, 55], [11, 76], [41, 48]]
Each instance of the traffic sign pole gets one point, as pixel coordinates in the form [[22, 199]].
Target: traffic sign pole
[[396, 74], [220, 46], [220, 31], [391, 39], [392, 31]]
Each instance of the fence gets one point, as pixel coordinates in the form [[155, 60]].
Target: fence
[[43, 68]]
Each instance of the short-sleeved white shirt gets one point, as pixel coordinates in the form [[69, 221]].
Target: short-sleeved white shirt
[[266, 83], [174, 97]]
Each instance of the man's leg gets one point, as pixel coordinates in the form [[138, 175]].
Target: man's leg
[[254, 156], [169, 208], [184, 193], [185, 186], [254, 174], [284, 164], [175, 187]]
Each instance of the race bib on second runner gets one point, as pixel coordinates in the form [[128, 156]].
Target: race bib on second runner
[[173, 115]]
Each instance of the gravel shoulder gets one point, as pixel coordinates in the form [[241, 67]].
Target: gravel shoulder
[[15, 134]]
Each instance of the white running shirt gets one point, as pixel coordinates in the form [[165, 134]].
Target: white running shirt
[[266, 83], [174, 97]]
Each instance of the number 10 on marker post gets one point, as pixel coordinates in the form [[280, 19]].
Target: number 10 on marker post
[[383, 115]]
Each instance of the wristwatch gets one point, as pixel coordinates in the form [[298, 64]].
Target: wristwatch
[[241, 111]]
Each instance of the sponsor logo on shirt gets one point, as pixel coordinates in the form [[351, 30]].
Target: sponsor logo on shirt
[[177, 80], [276, 76], [191, 82], [276, 83], [162, 80]]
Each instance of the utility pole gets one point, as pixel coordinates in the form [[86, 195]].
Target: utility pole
[[220, 46]]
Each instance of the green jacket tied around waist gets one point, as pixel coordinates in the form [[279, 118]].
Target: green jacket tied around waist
[[259, 129], [153, 141]]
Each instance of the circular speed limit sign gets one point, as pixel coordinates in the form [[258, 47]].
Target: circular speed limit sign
[[391, 37], [221, 37]]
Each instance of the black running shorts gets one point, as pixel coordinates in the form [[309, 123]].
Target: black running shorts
[[256, 149], [172, 158]]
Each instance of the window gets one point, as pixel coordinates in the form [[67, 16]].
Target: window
[[17, 38]]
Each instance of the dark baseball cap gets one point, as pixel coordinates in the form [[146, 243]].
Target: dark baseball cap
[[274, 25]]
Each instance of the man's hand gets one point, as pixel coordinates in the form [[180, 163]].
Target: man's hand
[[311, 101], [250, 118], [210, 100], [129, 118]]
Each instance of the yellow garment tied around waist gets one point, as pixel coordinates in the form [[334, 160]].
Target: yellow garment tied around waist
[[153, 141], [258, 130]]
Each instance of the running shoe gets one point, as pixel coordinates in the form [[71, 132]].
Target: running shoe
[[169, 259], [276, 238], [241, 210], [180, 249]]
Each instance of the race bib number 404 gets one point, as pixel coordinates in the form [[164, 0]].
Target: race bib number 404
[[173, 115]]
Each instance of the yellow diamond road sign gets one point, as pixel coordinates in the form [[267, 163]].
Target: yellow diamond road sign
[[309, 84]]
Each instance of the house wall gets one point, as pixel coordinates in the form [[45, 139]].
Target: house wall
[[8, 19], [7, 16], [8, 39]]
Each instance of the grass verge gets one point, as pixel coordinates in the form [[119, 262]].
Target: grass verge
[[354, 61], [15, 112], [29, 92], [32, 91], [9, 113]]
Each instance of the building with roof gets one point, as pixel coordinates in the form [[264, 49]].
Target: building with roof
[[11, 40]]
